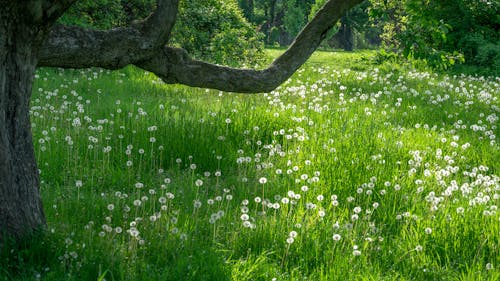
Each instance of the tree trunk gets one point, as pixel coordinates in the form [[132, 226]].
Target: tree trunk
[[346, 34], [21, 210]]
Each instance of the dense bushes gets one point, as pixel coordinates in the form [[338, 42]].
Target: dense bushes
[[216, 30], [442, 32]]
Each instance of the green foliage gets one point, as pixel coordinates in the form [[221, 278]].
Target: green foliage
[[216, 31], [106, 14], [213, 30], [294, 19], [279, 20], [443, 33], [488, 55], [315, 7]]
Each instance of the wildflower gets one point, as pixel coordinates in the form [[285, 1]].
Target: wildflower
[[336, 237], [197, 204]]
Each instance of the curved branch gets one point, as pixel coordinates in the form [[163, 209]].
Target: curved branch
[[77, 47], [159, 24], [175, 66]]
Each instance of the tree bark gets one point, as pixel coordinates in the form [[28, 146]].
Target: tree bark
[[21, 210]]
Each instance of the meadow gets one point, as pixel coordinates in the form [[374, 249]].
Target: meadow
[[348, 171]]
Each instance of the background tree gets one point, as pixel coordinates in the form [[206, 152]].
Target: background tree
[[353, 30], [278, 20], [442, 32], [247, 6], [30, 37]]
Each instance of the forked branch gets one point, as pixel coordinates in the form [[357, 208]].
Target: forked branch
[[77, 48]]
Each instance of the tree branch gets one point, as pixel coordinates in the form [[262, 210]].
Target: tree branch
[[175, 66], [77, 47], [159, 24]]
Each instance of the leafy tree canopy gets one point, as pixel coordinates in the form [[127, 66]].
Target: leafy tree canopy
[[442, 32]]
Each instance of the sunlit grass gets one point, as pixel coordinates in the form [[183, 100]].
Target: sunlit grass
[[349, 171]]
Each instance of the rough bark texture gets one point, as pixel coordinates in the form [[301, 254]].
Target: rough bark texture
[[76, 47], [20, 206]]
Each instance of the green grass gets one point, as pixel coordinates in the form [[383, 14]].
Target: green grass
[[147, 181]]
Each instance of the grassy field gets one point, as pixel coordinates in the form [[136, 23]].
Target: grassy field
[[348, 171]]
